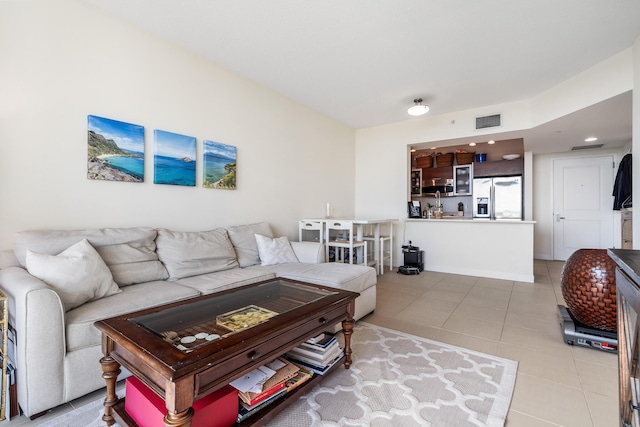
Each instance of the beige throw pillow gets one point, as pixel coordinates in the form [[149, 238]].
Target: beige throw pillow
[[275, 250], [77, 274]]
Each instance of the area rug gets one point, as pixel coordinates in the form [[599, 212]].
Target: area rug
[[396, 380]]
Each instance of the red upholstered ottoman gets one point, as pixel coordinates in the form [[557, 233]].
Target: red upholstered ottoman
[[218, 409], [589, 288]]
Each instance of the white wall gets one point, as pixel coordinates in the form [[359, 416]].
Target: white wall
[[636, 142], [382, 162], [63, 60]]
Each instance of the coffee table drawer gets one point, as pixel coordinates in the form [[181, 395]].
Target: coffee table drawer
[[271, 347]]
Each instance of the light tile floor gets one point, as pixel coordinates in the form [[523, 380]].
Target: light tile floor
[[556, 385]]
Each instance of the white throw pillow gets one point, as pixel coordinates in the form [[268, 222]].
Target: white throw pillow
[[77, 274], [275, 250]]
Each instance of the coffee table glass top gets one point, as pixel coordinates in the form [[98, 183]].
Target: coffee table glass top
[[189, 326]]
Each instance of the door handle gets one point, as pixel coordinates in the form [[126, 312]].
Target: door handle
[[558, 217]]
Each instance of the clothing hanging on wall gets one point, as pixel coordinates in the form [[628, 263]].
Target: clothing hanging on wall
[[622, 184]]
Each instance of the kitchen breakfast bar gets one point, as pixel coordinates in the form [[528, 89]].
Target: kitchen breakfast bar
[[499, 249]]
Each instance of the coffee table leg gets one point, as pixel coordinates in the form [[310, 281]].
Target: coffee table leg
[[110, 372], [347, 329], [183, 419]]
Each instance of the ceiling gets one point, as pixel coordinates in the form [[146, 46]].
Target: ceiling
[[362, 62]]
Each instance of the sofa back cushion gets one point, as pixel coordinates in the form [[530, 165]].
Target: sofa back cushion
[[130, 253], [188, 254], [243, 238]]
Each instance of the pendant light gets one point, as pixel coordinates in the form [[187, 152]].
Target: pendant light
[[418, 109]]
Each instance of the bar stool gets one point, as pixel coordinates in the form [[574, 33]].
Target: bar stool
[[306, 228], [383, 254], [386, 254], [342, 241]]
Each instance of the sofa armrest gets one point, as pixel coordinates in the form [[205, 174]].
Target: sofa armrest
[[37, 314], [309, 252]]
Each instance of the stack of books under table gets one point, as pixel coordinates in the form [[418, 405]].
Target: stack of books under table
[[317, 354], [268, 383], [277, 378]]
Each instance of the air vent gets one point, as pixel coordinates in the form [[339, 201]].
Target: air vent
[[492, 121], [586, 147]]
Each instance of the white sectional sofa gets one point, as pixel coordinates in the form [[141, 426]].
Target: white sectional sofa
[[59, 348]]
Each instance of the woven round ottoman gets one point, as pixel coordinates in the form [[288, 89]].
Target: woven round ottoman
[[589, 288]]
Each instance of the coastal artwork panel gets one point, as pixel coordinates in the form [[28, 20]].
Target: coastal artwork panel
[[174, 160], [219, 165], [115, 150]]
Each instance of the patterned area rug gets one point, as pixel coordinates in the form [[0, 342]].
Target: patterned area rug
[[396, 380]]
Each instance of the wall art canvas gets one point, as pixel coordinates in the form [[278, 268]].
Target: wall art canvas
[[219, 165], [174, 159], [115, 150]]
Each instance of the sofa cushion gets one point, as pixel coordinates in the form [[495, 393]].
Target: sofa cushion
[[350, 277], [244, 241], [187, 254], [227, 279], [130, 253], [77, 274], [80, 331], [275, 250]]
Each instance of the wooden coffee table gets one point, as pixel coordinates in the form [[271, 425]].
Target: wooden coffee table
[[175, 351]]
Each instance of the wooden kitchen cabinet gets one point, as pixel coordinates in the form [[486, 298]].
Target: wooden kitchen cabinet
[[498, 168], [442, 173]]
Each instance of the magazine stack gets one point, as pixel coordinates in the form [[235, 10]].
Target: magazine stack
[[264, 385], [318, 353]]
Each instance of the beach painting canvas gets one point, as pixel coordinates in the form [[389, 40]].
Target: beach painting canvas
[[115, 150], [174, 159], [219, 165]]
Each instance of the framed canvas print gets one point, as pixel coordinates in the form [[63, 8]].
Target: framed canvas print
[[115, 150], [174, 160], [219, 165]]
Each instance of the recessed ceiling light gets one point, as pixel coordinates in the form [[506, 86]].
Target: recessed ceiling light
[[591, 139], [434, 148], [473, 144], [491, 142], [413, 150]]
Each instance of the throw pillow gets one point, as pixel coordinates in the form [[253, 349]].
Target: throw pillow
[[275, 250], [77, 274]]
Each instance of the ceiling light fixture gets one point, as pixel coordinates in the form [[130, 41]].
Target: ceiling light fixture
[[418, 109], [473, 144], [591, 139], [491, 142]]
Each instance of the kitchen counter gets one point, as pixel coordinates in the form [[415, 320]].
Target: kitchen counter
[[468, 218], [500, 249]]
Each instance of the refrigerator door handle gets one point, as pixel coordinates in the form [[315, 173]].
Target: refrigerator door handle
[[492, 202]]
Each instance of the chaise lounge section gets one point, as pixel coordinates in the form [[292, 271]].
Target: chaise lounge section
[[58, 348]]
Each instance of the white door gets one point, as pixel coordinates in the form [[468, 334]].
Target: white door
[[582, 205]]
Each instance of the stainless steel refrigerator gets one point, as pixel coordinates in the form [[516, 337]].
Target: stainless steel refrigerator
[[498, 197]]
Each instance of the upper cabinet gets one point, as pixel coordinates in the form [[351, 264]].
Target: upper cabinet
[[462, 180], [494, 165]]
